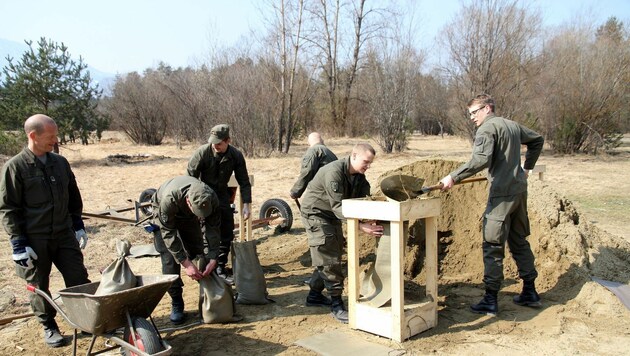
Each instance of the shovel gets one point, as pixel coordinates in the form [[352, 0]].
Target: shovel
[[403, 187]]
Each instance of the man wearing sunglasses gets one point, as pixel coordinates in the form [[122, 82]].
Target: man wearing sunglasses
[[497, 147]]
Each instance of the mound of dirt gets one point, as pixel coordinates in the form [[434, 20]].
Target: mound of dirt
[[568, 250]]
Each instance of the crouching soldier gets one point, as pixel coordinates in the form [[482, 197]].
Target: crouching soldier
[[181, 206]]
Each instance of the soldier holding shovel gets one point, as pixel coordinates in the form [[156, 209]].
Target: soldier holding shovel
[[498, 147]]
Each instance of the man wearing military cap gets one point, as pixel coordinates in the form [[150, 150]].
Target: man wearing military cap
[[180, 206], [214, 164]]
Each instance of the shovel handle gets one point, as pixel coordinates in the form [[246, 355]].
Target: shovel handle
[[16, 317], [463, 181]]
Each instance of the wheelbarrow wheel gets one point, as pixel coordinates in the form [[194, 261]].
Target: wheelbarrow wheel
[[145, 197], [147, 337], [277, 208]]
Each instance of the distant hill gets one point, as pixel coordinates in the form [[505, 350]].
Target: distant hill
[[16, 49]]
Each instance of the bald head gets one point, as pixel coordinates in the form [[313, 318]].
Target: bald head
[[315, 138], [38, 123], [41, 131]]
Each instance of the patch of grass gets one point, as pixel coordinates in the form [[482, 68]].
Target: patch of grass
[[604, 208]]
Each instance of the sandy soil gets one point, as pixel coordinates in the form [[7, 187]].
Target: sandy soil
[[579, 229]]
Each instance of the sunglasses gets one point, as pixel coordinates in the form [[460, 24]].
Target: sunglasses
[[474, 112]]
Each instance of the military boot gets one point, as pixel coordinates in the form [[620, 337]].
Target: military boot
[[338, 309], [225, 274], [488, 305], [52, 336], [177, 310], [317, 299], [528, 297]]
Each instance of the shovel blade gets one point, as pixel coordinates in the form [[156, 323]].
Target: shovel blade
[[401, 187]]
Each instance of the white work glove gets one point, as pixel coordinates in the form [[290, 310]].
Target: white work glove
[[245, 211], [24, 257], [82, 238]]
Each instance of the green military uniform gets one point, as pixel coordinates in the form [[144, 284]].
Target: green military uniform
[[179, 236], [498, 147], [41, 203], [315, 158], [322, 216], [215, 169]]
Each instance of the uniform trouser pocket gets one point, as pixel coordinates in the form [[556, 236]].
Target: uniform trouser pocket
[[494, 229], [325, 242], [26, 273]]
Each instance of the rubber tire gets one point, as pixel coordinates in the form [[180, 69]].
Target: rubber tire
[[147, 336], [277, 207], [145, 197]]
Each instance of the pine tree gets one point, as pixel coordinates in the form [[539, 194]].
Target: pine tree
[[47, 80]]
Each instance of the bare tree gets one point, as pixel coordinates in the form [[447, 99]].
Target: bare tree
[[387, 82], [493, 48], [339, 55], [285, 30], [137, 108], [586, 87]]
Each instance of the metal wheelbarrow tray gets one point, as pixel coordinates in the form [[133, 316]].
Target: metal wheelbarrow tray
[[101, 314], [98, 314]]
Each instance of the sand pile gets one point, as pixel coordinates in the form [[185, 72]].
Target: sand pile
[[568, 250]]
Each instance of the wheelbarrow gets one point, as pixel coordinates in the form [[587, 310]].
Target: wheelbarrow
[[101, 315]]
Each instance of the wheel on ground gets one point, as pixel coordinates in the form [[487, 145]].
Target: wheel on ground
[[277, 208], [145, 197], [147, 338]]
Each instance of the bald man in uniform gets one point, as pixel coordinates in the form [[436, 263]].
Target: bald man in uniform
[[41, 210]]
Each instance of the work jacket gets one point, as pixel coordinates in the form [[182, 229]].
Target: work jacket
[[331, 184], [498, 147], [215, 170], [39, 201], [171, 209], [315, 158]]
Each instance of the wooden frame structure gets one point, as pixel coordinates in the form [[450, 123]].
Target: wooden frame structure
[[396, 321], [244, 229]]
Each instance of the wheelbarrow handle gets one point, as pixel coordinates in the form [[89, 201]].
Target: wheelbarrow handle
[[41, 293]]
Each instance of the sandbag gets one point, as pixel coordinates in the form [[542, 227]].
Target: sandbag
[[249, 276], [376, 280], [216, 299], [118, 276]]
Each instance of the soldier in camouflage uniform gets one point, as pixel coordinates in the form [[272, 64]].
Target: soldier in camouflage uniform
[[498, 147], [322, 218], [214, 164], [180, 206], [41, 211], [317, 156]]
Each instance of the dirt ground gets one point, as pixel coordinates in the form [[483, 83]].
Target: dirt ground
[[579, 229]]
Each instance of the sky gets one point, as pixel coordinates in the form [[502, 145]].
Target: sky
[[119, 36]]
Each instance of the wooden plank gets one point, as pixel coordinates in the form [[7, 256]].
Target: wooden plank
[[417, 318], [390, 210], [109, 217], [540, 169], [353, 271], [397, 279], [431, 266]]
